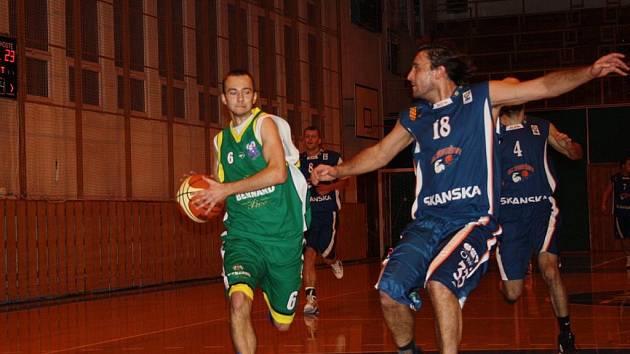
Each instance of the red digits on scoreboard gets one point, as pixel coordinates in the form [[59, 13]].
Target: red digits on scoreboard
[[9, 56]]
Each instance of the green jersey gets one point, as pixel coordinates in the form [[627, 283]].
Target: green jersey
[[273, 213]]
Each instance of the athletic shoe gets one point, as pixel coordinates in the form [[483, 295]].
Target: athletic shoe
[[337, 269], [311, 305], [566, 343]]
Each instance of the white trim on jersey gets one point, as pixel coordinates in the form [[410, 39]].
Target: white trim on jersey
[[454, 243], [414, 207], [550, 179], [553, 220], [489, 139], [225, 278], [332, 238], [291, 155], [500, 263], [620, 233]]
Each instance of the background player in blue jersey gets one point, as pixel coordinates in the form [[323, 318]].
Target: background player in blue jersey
[[529, 214], [619, 188], [446, 246], [325, 204]]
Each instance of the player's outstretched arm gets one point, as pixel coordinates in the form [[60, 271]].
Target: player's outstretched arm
[[505, 93], [564, 144], [368, 159]]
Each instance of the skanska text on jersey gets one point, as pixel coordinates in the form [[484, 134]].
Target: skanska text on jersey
[[458, 193]]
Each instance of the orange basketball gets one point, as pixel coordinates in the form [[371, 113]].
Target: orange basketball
[[185, 193]]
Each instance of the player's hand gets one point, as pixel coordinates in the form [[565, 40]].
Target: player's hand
[[564, 140], [209, 197], [323, 173], [611, 63]]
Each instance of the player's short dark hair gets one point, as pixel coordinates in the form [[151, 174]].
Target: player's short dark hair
[[624, 160], [459, 67], [238, 72], [312, 127]]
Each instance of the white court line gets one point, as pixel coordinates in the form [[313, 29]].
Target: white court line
[[135, 336], [607, 262], [173, 328]]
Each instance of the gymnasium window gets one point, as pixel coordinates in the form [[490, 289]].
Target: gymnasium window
[[136, 91], [237, 30], [89, 30], [90, 86], [175, 14], [291, 63], [206, 42], [267, 59], [37, 77], [135, 27], [36, 24]]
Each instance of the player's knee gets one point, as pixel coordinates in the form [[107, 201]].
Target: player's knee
[[240, 304], [386, 301], [282, 327], [551, 274], [511, 293]]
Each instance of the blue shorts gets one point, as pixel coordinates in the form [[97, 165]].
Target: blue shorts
[[320, 235], [622, 224], [527, 229], [452, 253]]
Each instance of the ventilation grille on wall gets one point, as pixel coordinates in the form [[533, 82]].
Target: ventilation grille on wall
[[456, 6]]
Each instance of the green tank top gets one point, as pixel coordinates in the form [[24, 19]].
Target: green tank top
[[268, 214]]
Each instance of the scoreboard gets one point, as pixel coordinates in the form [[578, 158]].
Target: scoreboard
[[8, 67]]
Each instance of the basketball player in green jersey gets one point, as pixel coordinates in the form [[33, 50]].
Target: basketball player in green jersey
[[266, 203]]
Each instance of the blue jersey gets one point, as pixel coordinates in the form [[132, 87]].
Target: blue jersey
[[457, 174], [527, 174], [621, 193], [329, 201]]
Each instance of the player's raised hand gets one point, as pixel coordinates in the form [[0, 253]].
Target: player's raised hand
[[323, 173], [610, 63]]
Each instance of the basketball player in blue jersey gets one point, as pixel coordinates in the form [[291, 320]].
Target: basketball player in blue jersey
[[325, 204], [446, 246], [529, 214], [619, 187]]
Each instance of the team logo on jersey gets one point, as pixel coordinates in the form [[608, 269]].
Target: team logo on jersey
[[238, 270], [467, 96], [513, 127], [520, 172], [443, 158], [466, 266], [252, 150], [412, 113], [535, 130]]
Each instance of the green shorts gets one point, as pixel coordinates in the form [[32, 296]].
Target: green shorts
[[275, 267]]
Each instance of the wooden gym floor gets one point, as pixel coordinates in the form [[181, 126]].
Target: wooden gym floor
[[194, 319]]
